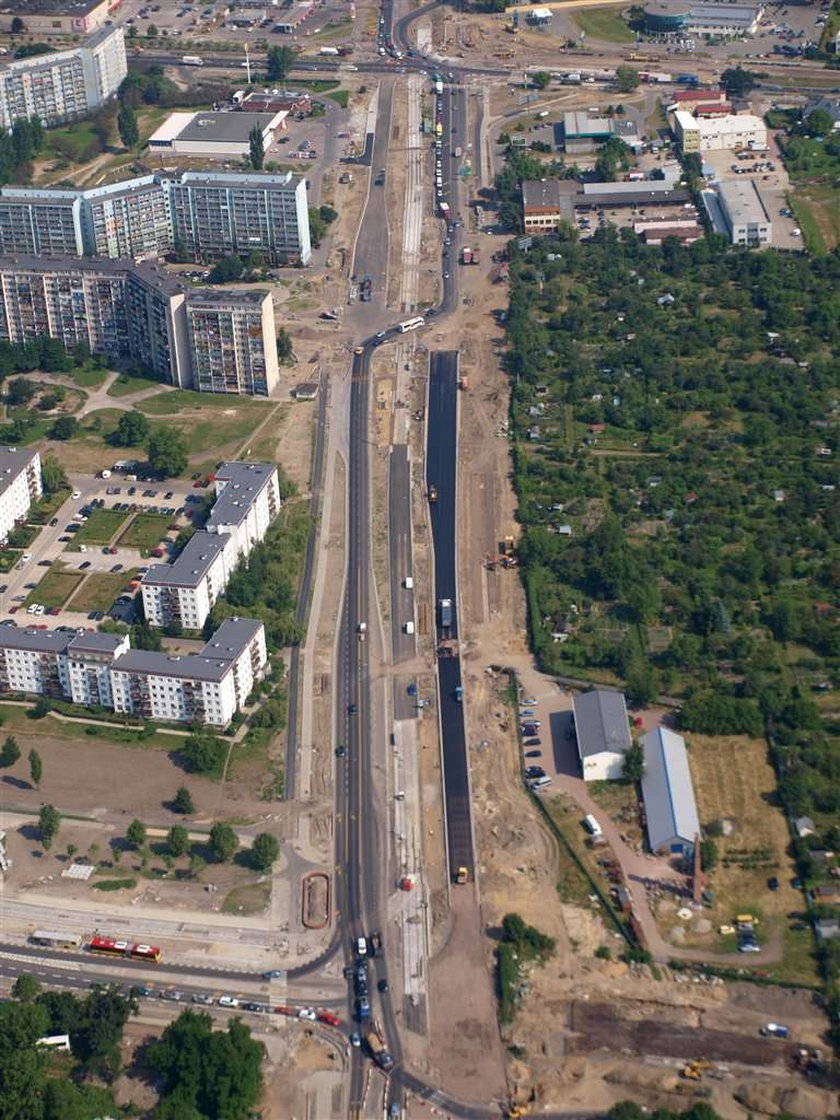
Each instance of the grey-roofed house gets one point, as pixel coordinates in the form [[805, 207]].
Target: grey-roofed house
[[668, 793], [603, 733]]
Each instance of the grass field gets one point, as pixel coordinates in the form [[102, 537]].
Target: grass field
[[250, 899], [77, 141], [55, 588], [99, 590], [125, 385], [147, 530], [605, 24], [89, 377], [101, 527], [208, 424], [16, 721], [817, 209]]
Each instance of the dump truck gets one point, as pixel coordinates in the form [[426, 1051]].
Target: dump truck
[[462, 875], [445, 615], [433, 494], [378, 1051]]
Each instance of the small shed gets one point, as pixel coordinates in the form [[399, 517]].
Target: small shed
[[804, 826]]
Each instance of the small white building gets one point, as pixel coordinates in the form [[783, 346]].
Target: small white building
[[603, 734], [208, 687], [20, 486]]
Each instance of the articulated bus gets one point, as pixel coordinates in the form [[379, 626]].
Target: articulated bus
[[109, 947], [53, 940], [412, 324]]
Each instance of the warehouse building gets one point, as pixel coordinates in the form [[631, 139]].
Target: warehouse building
[[603, 734], [745, 218], [668, 794], [59, 17], [65, 85], [20, 486], [221, 135], [702, 134], [580, 133], [207, 213]]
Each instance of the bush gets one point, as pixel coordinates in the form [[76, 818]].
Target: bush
[[205, 754], [115, 885]]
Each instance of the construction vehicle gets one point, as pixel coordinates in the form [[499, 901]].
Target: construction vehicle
[[378, 1051], [445, 616], [695, 1069], [433, 494], [515, 1112], [407, 883], [462, 876], [506, 546], [463, 382]]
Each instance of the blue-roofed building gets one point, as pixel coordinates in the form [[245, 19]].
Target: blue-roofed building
[[668, 794]]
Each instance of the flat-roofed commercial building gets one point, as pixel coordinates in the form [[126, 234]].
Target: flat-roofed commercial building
[[541, 205], [206, 214], [58, 17], [66, 85], [207, 687], [701, 134], [674, 18], [20, 486], [232, 342], [745, 215], [581, 133], [226, 135]]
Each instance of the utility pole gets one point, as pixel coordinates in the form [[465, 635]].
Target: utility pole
[[248, 62]]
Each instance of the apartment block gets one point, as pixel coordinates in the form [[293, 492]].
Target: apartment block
[[205, 214], [232, 342], [55, 663], [207, 687], [65, 85], [217, 213], [183, 592], [118, 309], [247, 501], [20, 486], [102, 670]]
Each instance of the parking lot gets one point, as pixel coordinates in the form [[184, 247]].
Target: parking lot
[[773, 188], [145, 508]]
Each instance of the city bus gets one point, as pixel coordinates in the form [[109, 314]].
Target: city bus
[[113, 948], [412, 324], [53, 940]]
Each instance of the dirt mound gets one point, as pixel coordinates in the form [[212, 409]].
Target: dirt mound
[[801, 1102], [638, 1077]]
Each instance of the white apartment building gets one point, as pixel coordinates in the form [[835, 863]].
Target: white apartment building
[[65, 85], [184, 591], [710, 134], [20, 486], [55, 663], [247, 501], [233, 342], [206, 687]]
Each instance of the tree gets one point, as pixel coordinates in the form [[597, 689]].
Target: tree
[[133, 429], [819, 122], [53, 475], [178, 841], [18, 26], [279, 62], [223, 842], [264, 851], [10, 752], [541, 80], [285, 349], [65, 427], [708, 854], [634, 763], [626, 79], [256, 147], [135, 834], [26, 988], [21, 391], [36, 768], [167, 451], [327, 213], [40, 709], [127, 126], [226, 270], [183, 802], [317, 226], [204, 753], [49, 822], [151, 31], [737, 82]]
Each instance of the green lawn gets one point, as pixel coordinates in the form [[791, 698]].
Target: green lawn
[[101, 527], [125, 385], [605, 24], [99, 590], [811, 233], [146, 531], [90, 376], [250, 899], [77, 142], [167, 404], [55, 588], [207, 421]]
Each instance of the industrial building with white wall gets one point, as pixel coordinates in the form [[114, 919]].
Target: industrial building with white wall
[[703, 134], [222, 135]]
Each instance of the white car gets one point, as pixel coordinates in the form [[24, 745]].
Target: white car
[[77, 493], [32, 608], [27, 556], [40, 609], [307, 1013], [228, 1001]]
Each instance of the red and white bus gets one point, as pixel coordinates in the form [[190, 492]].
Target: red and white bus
[[113, 948]]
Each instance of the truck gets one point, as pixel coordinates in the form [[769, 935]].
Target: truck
[[688, 79], [573, 78], [466, 255], [438, 86], [462, 875], [433, 494], [775, 1030], [445, 615], [476, 256], [192, 60], [378, 1051], [328, 50]]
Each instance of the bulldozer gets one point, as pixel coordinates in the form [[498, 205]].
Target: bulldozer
[[695, 1069]]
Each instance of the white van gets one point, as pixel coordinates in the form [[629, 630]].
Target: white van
[[408, 627], [592, 826], [540, 783], [408, 583]]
